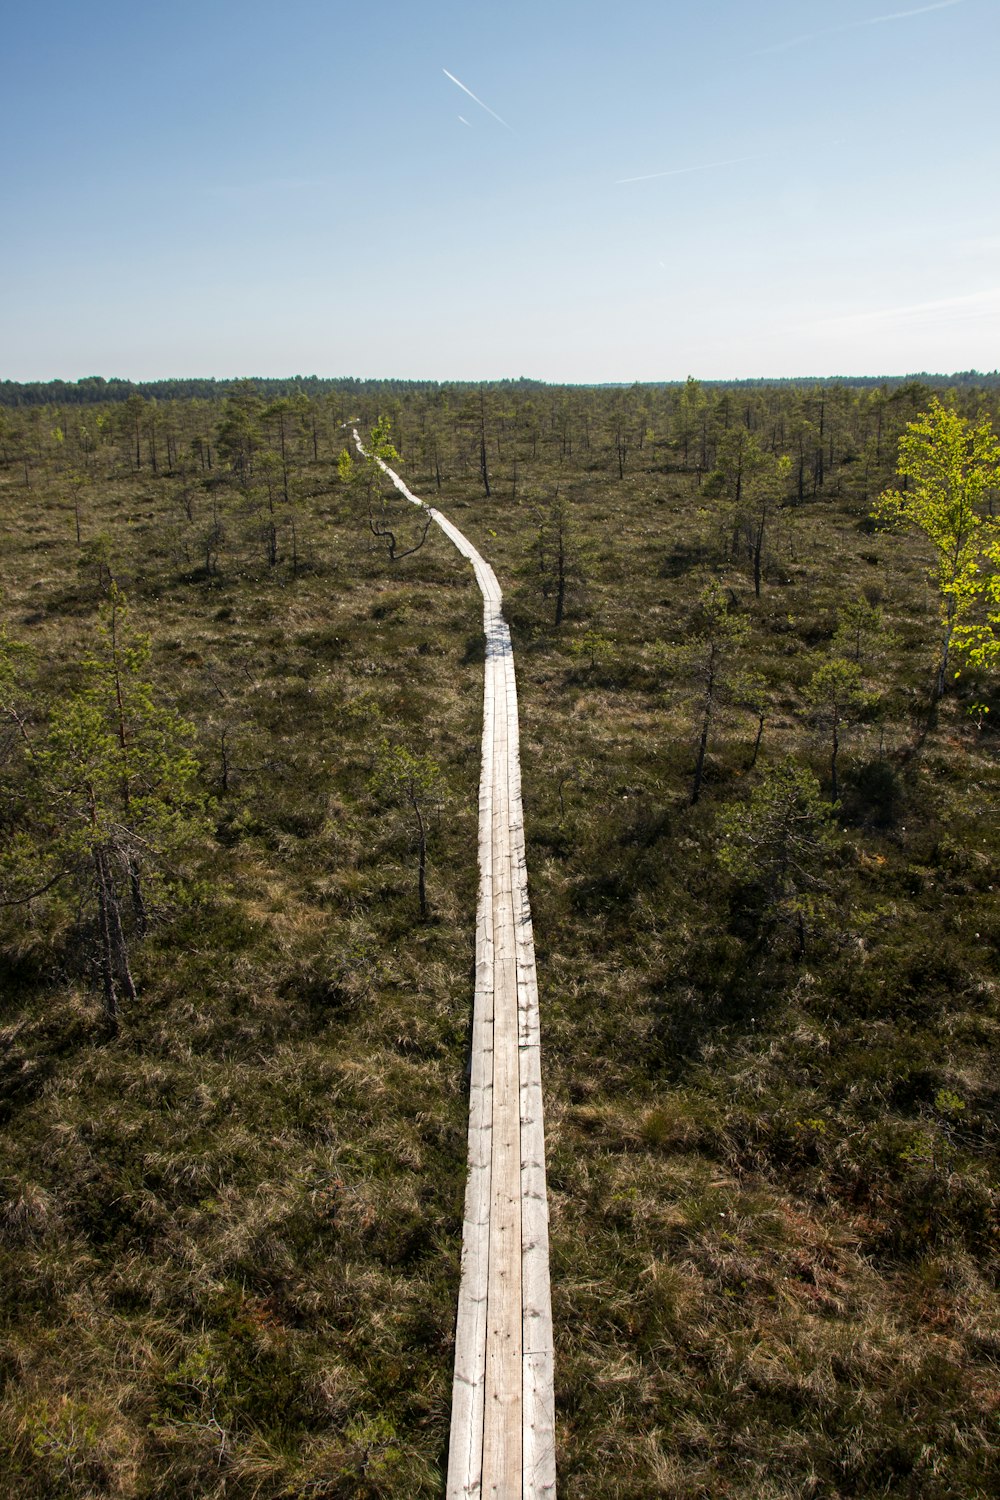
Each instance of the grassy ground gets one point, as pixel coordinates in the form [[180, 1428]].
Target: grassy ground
[[229, 1242], [773, 1177]]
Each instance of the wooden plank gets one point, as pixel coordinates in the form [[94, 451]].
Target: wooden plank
[[504, 1373], [502, 1426], [538, 1414], [539, 1459], [465, 1454]]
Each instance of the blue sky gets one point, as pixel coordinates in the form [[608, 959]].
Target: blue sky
[[224, 188]]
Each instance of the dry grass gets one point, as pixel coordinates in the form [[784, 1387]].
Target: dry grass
[[229, 1245]]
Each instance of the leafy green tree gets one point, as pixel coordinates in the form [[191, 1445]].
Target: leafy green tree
[[108, 796], [401, 778], [775, 846], [978, 640], [949, 466], [381, 494]]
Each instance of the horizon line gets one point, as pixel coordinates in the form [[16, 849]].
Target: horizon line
[[496, 379]]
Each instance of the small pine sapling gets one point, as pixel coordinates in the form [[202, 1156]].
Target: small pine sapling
[[403, 779]]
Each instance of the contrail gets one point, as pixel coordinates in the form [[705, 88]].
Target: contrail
[[901, 15], [464, 121], [896, 15], [478, 101], [682, 171]]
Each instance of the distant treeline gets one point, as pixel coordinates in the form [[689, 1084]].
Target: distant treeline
[[95, 390]]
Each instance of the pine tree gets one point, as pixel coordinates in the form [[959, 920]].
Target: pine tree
[[106, 798], [775, 847], [401, 778]]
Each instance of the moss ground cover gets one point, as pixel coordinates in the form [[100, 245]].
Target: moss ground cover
[[229, 1240]]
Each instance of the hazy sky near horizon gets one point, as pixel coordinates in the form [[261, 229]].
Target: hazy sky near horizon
[[566, 189]]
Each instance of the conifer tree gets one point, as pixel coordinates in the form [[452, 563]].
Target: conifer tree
[[106, 797], [836, 700], [403, 779], [776, 845]]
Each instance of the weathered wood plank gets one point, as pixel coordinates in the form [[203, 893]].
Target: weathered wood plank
[[502, 1427], [465, 1457]]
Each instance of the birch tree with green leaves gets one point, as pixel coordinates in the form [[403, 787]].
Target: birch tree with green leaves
[[978, 640], [950, 467], [381, 495]]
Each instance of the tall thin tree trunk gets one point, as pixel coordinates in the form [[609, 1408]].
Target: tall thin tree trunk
[[224, 759], [483, 465], [942, 671], [104, 927], [284, 462], [699, 768], [119, 946], [706, 723], [138, 900], [758, 550], [422, 865], [756, 744], [560, 574]]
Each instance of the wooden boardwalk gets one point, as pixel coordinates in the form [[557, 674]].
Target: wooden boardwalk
[[502, 1417]]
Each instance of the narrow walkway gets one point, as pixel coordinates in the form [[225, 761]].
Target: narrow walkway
[[502, 1416]]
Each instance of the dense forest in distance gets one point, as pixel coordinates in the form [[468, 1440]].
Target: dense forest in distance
[[763, 849], [95, 389]]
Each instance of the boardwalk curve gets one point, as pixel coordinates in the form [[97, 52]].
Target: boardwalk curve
[[502, 1418]]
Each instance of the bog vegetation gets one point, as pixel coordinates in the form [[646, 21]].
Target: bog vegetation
[[756, 637]]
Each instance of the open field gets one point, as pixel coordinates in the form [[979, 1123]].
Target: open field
[[229, 1237]]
